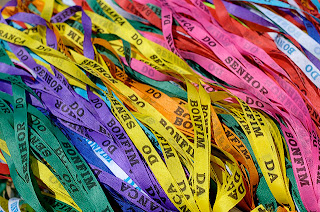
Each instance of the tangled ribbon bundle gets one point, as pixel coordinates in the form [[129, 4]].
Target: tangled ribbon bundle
[[160, 105]]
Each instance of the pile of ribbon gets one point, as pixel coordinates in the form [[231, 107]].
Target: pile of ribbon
[[160, 105]]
